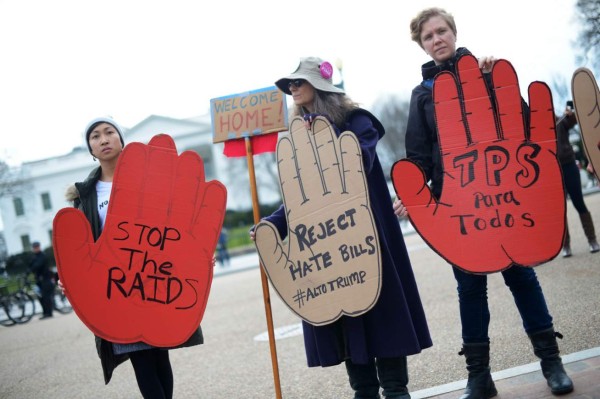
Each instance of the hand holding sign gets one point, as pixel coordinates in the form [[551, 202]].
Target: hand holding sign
[[330, 264], [586, 97], [148, 276], [502, 201]]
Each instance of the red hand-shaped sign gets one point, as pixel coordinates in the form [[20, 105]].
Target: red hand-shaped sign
[[148, 276], [502, 202]]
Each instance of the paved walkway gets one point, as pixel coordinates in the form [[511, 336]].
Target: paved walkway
[[56, 358], [527, 382], [523, 382]]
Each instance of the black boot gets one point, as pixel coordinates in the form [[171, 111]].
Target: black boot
[[393, 377], [480, 384], [363, 380], [566, 251], [546, 348]]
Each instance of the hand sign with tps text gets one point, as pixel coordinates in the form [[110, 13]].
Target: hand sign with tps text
[[148, 276], [330, 263], [502, 202]]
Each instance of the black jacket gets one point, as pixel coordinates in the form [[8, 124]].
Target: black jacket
[[422, 144], [564, 150], [40, 267], [85, 198]]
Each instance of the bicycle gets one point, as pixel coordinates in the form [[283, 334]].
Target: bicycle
[[18, 306], [60, 302]]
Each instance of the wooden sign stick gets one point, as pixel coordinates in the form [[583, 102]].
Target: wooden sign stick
[[263, 277]]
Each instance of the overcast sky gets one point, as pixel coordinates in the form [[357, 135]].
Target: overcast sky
[[64, 62]]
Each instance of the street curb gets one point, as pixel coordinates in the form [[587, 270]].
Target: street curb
[[503, 374]]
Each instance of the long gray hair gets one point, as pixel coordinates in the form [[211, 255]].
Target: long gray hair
[[334, 105]]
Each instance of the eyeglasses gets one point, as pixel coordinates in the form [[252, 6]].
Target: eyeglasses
[[296, 83]]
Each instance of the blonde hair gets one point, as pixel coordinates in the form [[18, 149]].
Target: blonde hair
[[416, 25]]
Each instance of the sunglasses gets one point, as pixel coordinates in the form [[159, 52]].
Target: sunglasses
[[296, 83]]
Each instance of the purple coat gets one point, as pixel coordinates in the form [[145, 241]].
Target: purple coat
[[396, 325]]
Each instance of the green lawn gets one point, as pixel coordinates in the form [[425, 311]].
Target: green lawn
[[239, 237]]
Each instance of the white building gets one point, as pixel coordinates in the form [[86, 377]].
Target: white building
[[27, 214]]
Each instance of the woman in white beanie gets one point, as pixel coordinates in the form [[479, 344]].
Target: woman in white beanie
[[152, 366]]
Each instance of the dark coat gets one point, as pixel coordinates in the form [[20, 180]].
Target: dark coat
[[85, 198], [396, 325], [422, 144], [564, 149], [40, 267]]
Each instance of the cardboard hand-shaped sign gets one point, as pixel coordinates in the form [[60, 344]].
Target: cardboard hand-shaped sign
[[502, 202], [148, 276], [330, 264], [586, 99]]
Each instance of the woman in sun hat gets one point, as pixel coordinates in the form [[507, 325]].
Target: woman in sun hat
[[374, 345]]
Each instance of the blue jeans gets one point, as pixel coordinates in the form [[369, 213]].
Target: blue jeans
[[473, 303], [572, 180]]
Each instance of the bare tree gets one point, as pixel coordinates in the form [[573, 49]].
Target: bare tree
[[267, 174], [10, 179], [561, 92], [265, 170], [11, 183], [392, 111], [588, 14]]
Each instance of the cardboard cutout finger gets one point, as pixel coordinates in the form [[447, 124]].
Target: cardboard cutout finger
[[148, 276], [411, 187], [161, 167], [330, 264], [292, 185], [75, 241], [190, 169], [478, 110], [497, 195], [128, 196], [270, 246], [448, 115], [305, 156], [208, 217], [328, 156], [543, 129], [353, 179], [509, 102], [586, 99]]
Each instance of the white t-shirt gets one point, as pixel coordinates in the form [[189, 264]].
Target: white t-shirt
[[103, 190]]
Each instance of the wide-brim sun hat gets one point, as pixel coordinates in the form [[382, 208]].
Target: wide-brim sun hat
[[315, 71]]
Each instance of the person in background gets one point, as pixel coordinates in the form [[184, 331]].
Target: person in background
[[373, 346], [434, 30], [222, 252], [40, 267], [151, 365], [572, 180]]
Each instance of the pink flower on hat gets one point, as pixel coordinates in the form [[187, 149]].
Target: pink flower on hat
[[326, 70]]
